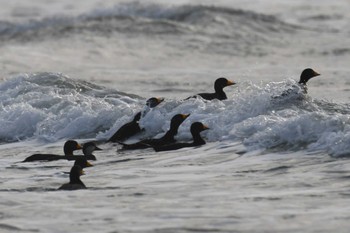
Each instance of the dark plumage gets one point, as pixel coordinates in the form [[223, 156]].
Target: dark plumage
[[306, 75], [68, 148], [74, 180], [219, 93], [166, 139], [131, 128], [153, 102], [196, 128], [82, 162]]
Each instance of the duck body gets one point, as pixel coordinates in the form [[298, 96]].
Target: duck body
[[70, 186], [219, 93], [176, 146], [132, 128], [68, 149], [128, 130], [196, 128], [212, 96], [166, 139], [43, 157], [74, 179], [146, 143]]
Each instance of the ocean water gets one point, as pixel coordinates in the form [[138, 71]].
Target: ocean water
[[79, 70]]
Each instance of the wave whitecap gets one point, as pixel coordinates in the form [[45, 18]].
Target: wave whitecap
[[51, 106]]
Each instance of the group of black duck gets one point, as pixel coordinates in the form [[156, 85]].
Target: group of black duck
[[165, 143]]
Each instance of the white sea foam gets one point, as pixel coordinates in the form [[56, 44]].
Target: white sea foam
[[53, 107]]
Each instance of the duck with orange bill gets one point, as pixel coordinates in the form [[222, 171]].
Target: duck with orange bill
[[219, 93]]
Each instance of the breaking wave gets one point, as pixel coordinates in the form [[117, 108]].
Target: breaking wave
[[50, 106]]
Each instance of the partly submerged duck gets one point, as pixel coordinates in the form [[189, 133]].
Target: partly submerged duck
[[298, 91], [166, 139], [196, 129], [68, 148], [219, 93], [131, 128], [74, 179], [305, 76], [153, 102]]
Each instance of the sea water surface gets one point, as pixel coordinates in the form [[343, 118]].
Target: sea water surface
[[80, 70]]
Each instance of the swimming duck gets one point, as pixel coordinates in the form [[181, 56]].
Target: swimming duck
[[196, 128], [68, 148], [297, 91], [305, 76], [74, 179], [131, 128], [219, 93], [166, 139]]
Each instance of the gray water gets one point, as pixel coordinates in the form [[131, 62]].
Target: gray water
[[81, 70]]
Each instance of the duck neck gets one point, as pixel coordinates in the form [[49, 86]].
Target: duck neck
[[170, 134], [220, 92], [172, 131], [197, 139], [303, 82]]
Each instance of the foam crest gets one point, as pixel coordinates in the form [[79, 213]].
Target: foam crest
[[254, 117], [260, 116], [52, 106]]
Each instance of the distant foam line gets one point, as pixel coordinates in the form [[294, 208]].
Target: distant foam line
[[177, 13], [186, 14]]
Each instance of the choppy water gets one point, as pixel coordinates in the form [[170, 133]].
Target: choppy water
[[81, 70]]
